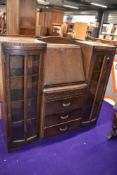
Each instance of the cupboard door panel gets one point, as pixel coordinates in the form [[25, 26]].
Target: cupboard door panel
[[98, 62], [101, 86], [23, 61]]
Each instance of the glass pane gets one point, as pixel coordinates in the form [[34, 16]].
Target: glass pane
[[33, 65], [32, 129], [98, 64], [32, 109], [104, 77], [32, 87], [17, 110], [17, 88], [95, 75], [16, 65]]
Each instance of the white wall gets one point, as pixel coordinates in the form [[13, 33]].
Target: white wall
[[81, 18], [2, 9]]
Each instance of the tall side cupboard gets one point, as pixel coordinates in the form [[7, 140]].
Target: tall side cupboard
[[23, 62], [97, 60]]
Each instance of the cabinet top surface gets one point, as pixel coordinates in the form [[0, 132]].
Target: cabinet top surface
[[21, 41], [62, 46], [96, 44]]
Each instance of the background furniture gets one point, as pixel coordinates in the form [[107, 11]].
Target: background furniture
[[27, 17], [21, 20], [80, 29], [48, 18]]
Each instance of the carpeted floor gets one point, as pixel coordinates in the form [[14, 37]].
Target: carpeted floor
[[82, 152]]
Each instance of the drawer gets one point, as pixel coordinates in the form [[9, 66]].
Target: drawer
[[63, 117], [57, 94], [64, 105], [62, 128]]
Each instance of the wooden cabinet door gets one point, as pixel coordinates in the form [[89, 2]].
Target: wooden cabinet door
[[22, 96], [101, 64], [101, 86]]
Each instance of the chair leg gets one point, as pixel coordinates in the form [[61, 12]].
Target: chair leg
[[114, 127]]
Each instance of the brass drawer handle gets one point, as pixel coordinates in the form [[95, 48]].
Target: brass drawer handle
[[66, 104], [63, 129], [64, 117]]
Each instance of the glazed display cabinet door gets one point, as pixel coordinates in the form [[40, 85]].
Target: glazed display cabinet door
[[100, 73], [22, 96], [101, 86]]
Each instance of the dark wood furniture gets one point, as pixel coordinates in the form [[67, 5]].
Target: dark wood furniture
[[54, 89]]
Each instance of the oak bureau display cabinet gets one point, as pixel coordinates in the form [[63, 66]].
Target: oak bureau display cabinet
[[23, 75], [50, 89]]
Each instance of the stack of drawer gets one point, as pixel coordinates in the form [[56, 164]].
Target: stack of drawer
[[64, 89], [62, 109]]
